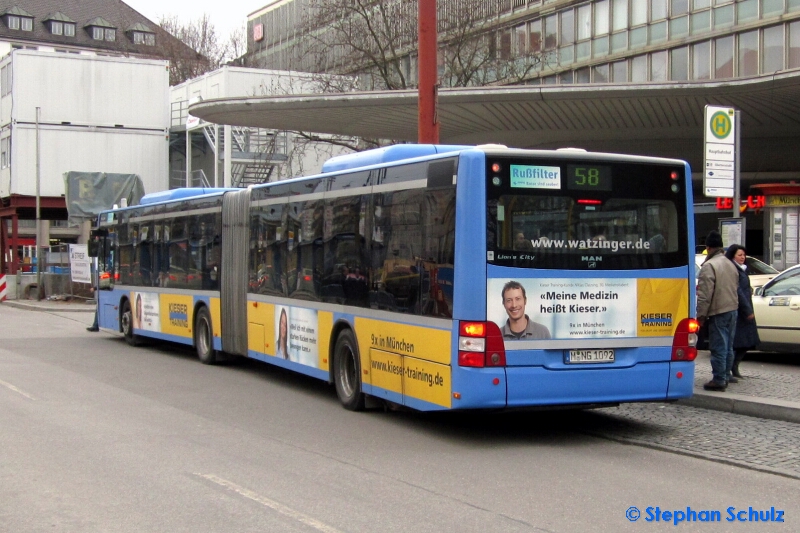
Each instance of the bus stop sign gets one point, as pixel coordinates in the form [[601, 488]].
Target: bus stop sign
[[719, 162]]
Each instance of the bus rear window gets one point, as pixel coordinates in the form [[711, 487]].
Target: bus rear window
[[613, 217]]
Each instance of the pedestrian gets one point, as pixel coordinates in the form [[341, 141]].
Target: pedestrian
[[717, 304], [95, 326], [746, 330]]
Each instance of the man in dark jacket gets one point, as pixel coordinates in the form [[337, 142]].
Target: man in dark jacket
[[717, 304]]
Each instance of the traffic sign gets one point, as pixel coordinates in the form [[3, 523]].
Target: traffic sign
[[719, 158]]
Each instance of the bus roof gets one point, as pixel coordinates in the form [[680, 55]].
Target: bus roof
[[387, 154], [179, 194]]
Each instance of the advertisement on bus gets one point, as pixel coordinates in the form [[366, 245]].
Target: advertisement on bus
[[586, 308]]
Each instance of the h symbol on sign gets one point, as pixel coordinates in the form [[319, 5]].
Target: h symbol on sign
[[720, 125]]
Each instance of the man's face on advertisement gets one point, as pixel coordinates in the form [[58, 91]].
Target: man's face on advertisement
[[514, 302]]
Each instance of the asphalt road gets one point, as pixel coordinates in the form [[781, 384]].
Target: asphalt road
[[96, 436]]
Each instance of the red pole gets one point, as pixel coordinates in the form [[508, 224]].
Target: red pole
[[428, 123]]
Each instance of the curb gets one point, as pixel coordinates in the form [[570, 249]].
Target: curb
[[67, 308], [772, 408]]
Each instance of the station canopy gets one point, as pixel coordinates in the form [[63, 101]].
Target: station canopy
[[660, 119]]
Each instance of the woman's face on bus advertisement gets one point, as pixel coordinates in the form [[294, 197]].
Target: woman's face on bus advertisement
[[284, 327]]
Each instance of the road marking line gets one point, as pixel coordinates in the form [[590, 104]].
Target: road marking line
[[272, 504], [12, 387]]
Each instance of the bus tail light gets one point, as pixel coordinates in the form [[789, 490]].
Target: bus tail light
[[684, 342], [480, 344]]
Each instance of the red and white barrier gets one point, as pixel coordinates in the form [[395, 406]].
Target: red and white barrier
[[3, 288]]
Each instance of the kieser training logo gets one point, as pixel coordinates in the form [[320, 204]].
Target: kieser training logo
[[655, 319]]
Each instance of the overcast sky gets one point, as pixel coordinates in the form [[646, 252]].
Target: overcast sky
[[226, 15]]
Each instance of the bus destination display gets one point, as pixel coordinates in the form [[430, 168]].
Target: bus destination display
[[588, 178]]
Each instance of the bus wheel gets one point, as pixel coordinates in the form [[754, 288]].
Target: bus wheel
[[347, 372], [204, 337], [126, 324]]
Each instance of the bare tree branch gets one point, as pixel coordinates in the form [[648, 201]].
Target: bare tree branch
[[201, 36]]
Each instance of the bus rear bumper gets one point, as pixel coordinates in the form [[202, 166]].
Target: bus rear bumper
[[528, 386]]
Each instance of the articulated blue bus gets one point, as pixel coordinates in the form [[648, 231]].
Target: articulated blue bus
[[428, 276]]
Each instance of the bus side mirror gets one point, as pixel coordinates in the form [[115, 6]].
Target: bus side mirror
[[94, 241]]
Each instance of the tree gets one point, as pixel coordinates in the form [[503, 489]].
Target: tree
[[377, 41], [207, 49], [372, 45]]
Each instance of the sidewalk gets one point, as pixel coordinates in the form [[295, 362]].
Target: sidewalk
[[77, 305], [765, 391]]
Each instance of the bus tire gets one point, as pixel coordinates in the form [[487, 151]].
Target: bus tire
[[204, 337], [347, 372], [126, 325]]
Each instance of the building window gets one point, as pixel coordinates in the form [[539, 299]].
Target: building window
[[679, 7], [585, 22], [69, 29], [619, 16], [638, 12], [658, 10], [794, 44], [701, 61], [144, 38], [679, 64], [601, 18], [505, 44], [600, 73], [697, 5], [678, 27], [723, 57], [536, 36], [5, 80], [638, 37], [772, 8], [551, 32], [619, 71], [748, 54], [658, 66], [521, 40], [600, 46], [746, 10], [658, 32], [110, 34], [701, 21], [4, 153], [567, 27], [619, 41], [56, 27], [15, 22], [97, 33], [773, 49], [639, 69], [723, 16]]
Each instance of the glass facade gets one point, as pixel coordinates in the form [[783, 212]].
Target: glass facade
[[606, 41]]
